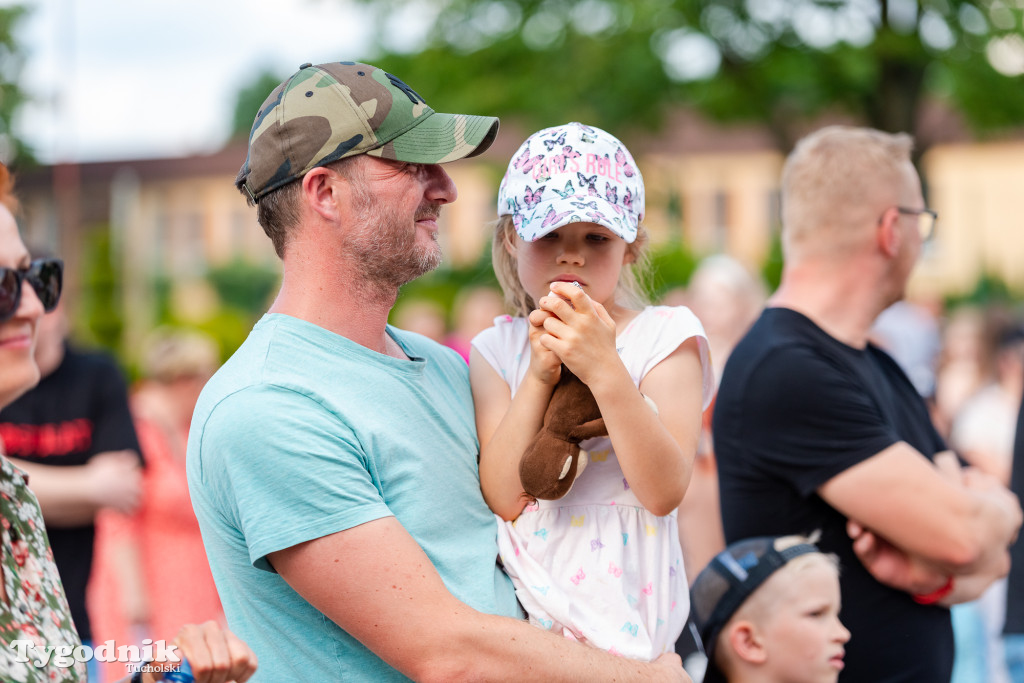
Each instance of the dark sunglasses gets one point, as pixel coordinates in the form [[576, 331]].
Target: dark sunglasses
[[46, 275]]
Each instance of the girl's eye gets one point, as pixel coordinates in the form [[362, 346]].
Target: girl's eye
[[597, 238]]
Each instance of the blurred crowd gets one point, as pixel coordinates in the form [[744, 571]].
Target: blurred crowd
[[966, 360], [107, 460]]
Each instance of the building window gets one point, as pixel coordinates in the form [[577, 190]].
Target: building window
[[720, 221], [189, 251]]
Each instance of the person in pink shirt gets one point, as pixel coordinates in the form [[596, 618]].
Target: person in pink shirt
[[151, 570]]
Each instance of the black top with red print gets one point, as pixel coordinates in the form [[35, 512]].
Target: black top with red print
[[75, 412]]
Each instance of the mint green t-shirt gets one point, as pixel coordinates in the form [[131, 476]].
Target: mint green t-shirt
[[304, 433]]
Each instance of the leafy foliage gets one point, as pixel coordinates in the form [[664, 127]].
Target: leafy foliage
[[243, 285], [989, 290], [672, 265], [771, 269], [442, 285], [229, 328], [621, 63], [13, 151], [99, 314], [249, 100]]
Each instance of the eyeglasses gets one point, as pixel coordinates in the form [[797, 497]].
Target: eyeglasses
[[926, 219], [46, 277]]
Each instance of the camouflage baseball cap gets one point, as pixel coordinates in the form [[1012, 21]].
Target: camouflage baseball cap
[[331, 111]]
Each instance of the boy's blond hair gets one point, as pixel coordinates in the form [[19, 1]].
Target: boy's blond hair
[[733, 586]]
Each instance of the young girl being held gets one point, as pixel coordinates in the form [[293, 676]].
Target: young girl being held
[[602, 564]]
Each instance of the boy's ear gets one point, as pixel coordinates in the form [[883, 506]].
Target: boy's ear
[[747, 642]]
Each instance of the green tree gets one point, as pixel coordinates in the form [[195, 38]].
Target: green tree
[[672, 265], [13, 150], [243, 285], [249, 100], [622, 63], [443, 285], [771, 269], [99, 316]]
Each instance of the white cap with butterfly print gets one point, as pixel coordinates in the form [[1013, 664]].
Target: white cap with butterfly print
[[568, 174]]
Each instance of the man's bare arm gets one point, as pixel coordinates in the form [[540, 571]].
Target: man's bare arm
[[958, 524], [894, 567], [377, 584]]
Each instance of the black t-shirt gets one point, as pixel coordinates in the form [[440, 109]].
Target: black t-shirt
[[75, 412], [795, 408], [1015, 582]]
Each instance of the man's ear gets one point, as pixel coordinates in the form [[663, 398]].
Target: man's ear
[[888, 232], [322, 192], [747, 642]]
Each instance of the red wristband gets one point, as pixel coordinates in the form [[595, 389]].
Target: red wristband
[[936, 595]]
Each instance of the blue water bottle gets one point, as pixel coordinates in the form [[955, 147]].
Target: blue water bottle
[[182, 675]]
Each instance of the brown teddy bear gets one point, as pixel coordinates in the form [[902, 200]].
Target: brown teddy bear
[[553, 460]]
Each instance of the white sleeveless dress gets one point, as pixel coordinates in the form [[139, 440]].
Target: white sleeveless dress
[[595, 565]]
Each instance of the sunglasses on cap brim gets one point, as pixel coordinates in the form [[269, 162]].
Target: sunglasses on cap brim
[[46, 277]]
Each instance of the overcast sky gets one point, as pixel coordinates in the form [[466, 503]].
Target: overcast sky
[[143, 78]]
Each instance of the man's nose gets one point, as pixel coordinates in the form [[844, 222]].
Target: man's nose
[[440, 187]]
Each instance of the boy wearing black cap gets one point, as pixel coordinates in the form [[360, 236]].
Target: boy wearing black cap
[[767, 610]]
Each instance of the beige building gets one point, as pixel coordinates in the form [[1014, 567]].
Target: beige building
[[974, 188], [179, 217], [172, 218]]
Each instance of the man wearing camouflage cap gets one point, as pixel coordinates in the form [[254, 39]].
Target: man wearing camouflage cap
[[332, 461]]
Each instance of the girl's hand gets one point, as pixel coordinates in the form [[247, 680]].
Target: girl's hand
[[578, 330], [545, 364]]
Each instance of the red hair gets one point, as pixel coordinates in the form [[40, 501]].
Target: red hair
[[7, 197]]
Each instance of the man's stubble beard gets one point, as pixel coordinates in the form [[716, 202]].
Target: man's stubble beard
[[385, 248]]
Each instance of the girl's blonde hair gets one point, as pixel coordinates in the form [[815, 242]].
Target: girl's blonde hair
[[629, 293]]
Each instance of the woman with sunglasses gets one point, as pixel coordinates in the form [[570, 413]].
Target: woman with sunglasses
[[33, 606]]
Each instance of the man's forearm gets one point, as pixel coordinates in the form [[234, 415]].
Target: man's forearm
[[925, 578], [490, 648], [998, 520], [389, 597], [967, 587]]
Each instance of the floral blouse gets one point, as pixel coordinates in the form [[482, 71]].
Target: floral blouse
[[36, 608]]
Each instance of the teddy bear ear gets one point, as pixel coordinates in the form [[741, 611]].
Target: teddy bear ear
[[549, 468], [583, 461], [553, 460]]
